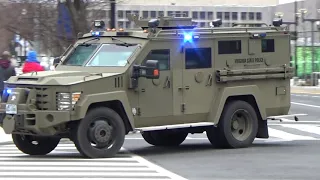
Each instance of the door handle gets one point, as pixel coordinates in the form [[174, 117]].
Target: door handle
[[181, 88]]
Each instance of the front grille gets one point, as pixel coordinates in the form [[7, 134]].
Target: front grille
[[43, 98]]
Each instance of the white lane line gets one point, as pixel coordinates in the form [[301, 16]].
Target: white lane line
[[74, 169], [74, 164], [288, 136], [85, 174], [30, 158], [118, 178], [302, 104], [159, 169], [303, 127]]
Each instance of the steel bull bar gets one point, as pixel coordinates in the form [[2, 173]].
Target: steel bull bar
[[19, 112]]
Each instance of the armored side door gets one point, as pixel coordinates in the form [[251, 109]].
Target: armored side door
[[155, 96], [197, 80]]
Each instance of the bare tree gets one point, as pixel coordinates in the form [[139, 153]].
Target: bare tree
[[53, 24]]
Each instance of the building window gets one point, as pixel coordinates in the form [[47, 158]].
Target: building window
[[226, 15], [229, 47], [219, 15], [163, 57], [267, 45], [129, 12], [194, 15], [243, 16], [177, 14], [170, 13], [202, 15], [120, 14], [153, 14], [145, 14], [198, 58], [210, 15], [128, 24], [136, 13], [160, 13], [185, 14], [120, 24], [259, 16], [251, 16], [234, 15]]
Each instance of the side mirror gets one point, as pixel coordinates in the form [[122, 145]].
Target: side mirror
[[150, 71], [56, 61]]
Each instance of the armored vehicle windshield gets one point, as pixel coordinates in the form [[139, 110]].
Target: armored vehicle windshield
[[105, 55]]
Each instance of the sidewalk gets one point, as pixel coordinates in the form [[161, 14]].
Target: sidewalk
[[4, 137], [305, 89]]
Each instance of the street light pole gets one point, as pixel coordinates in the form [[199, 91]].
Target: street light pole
[[296, 40], [312, 44]]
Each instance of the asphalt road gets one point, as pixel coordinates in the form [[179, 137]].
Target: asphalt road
[[291, 153], [308, 104]]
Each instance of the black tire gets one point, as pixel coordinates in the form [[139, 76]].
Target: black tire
[[43, 146], [235, 134], [164, 138], [103, 127]]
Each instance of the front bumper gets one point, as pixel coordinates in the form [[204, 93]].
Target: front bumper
[[26, 117], [38, 122]]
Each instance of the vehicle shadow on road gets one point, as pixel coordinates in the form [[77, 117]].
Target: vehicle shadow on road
[[189, 147]]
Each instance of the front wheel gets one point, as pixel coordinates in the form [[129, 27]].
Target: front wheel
[[100, 134], [238, 126], [35, 145]]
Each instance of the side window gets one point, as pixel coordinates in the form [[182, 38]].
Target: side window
[[267, 45], [162, 55], [198, 58], [229, 47]]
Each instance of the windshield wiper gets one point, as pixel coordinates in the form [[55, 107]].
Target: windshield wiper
[[89, 44], [123, 43]]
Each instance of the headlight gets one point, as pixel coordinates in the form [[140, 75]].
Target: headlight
[[67, 101]]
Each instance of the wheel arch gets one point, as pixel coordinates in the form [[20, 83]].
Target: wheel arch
[[250, 94], [116, 101]]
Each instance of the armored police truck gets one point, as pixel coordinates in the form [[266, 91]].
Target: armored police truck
[[167, 80]]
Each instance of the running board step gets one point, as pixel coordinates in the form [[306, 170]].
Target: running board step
[[175, 126]]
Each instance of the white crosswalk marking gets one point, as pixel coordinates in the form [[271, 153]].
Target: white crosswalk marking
[[65, 162], [287, 136], [283, 134]]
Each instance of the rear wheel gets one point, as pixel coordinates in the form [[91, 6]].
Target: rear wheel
[[100, 134], [238, 126], [164, 138], [35, 145]]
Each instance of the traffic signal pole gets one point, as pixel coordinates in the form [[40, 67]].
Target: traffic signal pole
[[296, 41], [112, 14]]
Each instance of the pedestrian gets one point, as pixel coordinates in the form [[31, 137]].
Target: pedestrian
[[32, 64], [6, 69]]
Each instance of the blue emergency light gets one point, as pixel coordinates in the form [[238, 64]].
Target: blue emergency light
[[8, 91], [189, 37], [96, 33]]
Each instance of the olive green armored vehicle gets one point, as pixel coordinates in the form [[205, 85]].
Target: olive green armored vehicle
[[167, 80]]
